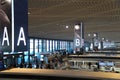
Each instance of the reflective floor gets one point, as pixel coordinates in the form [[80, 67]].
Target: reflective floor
[[50, 74], [12, 79]]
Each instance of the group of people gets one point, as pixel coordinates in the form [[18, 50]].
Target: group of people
[[23, 65]]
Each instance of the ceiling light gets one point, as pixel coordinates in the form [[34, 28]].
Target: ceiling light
[[95, 35], [107, 40], [88, 34], [28, 13], [103, 39], [67, 26], [77, 27]]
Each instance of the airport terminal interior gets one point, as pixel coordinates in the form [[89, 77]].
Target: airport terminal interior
[[77, 35]]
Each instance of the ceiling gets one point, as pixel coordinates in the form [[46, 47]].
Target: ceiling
[[49, 18]]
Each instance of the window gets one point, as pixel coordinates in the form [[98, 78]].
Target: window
[[44, 46], [31, 46], [47, 45], [36, 46], [40, 45], [60, 44], [56, 45], [31, 43], [51, 45]]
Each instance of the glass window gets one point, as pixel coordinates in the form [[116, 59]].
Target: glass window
[[31, 51], [53, 45], [44, 46], [66, 45], [31, 43], [63, 45], [31, 46], [36, 45], [71, 45], [26, 59], [60, 44], [26, 53], [47, 45], [50, 45], [40, 45], [56, 45]]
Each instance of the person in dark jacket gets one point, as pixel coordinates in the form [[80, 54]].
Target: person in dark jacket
[[29, 65]]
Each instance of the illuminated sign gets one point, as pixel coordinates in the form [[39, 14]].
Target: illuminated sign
[[78, 36], [5, 37], [13, 25], [77, 42], [21, 37]]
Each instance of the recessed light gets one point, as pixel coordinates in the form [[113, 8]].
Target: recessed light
[[94, 34], [67, 26], [77, 27], [28, 13]]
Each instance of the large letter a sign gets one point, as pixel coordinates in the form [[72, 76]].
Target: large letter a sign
[[13, 25]]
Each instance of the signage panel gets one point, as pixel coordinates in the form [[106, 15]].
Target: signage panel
[[13, 25], [20, 25], [5, 26], [78, 37]]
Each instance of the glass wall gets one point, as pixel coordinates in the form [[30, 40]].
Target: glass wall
[[31, 47], [38, 46], [48, 45]]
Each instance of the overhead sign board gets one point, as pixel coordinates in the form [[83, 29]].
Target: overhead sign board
[[78, 37], [13, 25]]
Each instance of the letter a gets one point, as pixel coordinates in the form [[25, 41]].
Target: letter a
[[5, 37], [21, 37]]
